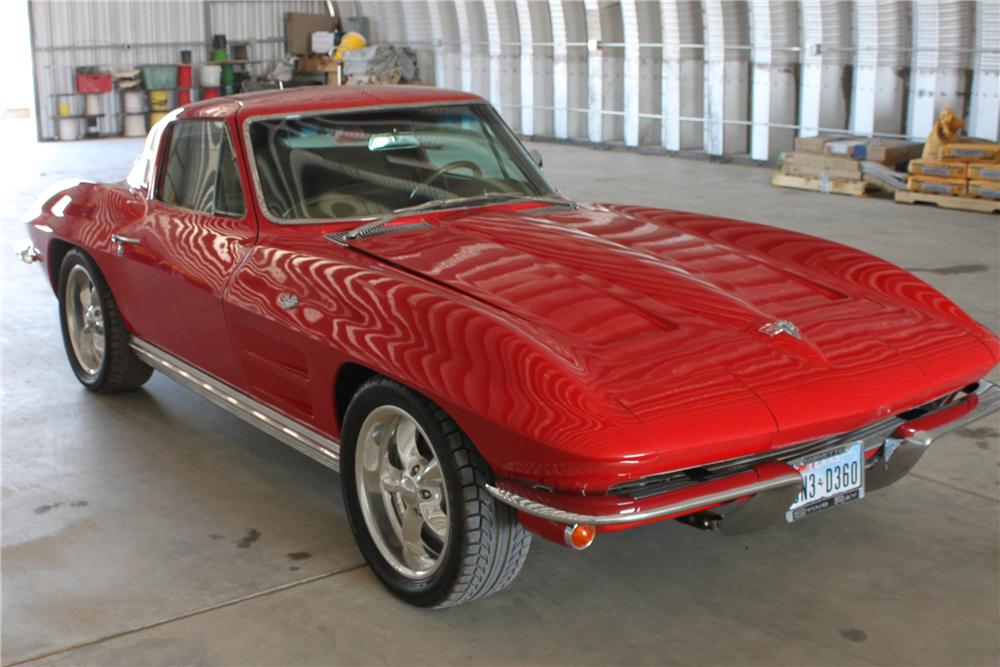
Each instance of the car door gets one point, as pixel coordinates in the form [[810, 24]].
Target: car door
[[177, 259]]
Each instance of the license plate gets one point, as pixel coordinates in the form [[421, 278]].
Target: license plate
[[829, 478]]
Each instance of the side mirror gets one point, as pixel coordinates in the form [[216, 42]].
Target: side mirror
[[536, 157]]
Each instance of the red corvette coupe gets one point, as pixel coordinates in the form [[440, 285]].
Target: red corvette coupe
[[382, 278]]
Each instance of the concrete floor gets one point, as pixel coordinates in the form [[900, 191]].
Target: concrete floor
[[154, 528]]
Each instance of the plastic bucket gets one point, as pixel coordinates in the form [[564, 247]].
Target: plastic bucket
[[69, 129], [209, 92], [183, 96], [211, 76], [132, 102], [135, 125], [92, 105], [228, 75], [183, 76], [159, 77], [159, 100], [65, 110], [156, 116]]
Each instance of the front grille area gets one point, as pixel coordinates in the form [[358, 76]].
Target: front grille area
[[872, 435]]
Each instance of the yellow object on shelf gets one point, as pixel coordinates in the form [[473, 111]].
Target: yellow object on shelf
[[984, 189], [352, 41], [155, 117], [159, 100], [970, 152], [937, 186], [64, 109], [984, 171], [937, 168]]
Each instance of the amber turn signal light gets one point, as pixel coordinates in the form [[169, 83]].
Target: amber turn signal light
[[579, 536]]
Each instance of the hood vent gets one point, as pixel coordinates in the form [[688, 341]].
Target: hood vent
[[342, 238]]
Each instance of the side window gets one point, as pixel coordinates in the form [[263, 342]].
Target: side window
[[200, 172]]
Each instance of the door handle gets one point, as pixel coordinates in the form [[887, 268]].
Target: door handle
[[120, 242]]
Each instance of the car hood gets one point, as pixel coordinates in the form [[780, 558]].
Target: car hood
[[663, 311]]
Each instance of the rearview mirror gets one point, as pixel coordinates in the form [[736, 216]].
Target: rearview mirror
[[536, 157], [392, 141]]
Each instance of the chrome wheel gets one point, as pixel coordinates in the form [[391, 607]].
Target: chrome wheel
[[402, 492], [84, 320]]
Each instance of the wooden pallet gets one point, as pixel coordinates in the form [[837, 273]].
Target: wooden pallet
[[828, 185], [946, 201]]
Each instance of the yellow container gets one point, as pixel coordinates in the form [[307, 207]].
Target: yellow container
[[937, 186], [352, 41], [159, 100], [984, 171], [970, 152], [937, 168], [984, 189], [155, 117], [64, 110]]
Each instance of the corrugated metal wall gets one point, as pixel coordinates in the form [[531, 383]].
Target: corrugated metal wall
[[119, 34], [723, 77]]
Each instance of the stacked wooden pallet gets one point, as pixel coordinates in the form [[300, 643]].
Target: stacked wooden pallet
[[839, 165], [966, 176]]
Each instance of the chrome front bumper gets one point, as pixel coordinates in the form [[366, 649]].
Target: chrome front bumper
[[892, 447]]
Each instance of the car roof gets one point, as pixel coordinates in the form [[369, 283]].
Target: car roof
[[322, 98]]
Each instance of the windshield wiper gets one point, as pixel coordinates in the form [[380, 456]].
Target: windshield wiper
[[452, 202]]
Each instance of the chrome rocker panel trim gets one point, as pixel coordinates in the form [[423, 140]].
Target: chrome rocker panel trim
[[302, 438], [792, 479], [896, 457]]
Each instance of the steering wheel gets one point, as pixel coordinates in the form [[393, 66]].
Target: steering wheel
[[331, 205], [452, 166]]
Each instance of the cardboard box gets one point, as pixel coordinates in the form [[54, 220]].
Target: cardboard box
[[300, 27], [937, 186], [984, 189], [970, 152], [894, 151], [940, 168], [852, 148], [812, 164], [814, 144], [984, 171], [317, 64]]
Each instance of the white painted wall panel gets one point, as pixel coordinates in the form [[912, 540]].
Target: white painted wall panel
[[726, 77]]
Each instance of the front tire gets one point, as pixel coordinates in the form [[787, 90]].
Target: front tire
[[96, 339], [414, 488]]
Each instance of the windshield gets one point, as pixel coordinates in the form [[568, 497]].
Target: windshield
[[371, 163]]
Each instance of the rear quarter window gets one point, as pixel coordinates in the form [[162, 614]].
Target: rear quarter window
[[199, 170]]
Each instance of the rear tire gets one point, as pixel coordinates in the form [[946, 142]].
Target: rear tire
[[96, 340], [414, 488]]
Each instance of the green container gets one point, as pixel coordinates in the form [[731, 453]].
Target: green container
[[159, 77], [228, 76], [218, 55]]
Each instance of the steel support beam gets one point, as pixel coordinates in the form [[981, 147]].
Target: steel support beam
[[595, 72], [527, 67], [865, 67], [630, 82], [560, 71], [713, 129], [811, 27], [670, 75], [760, 98], [464, 43], [924, 68], [984, 111]]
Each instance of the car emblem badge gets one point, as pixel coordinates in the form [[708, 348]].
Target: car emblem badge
[[780, 327], [288, 301]]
